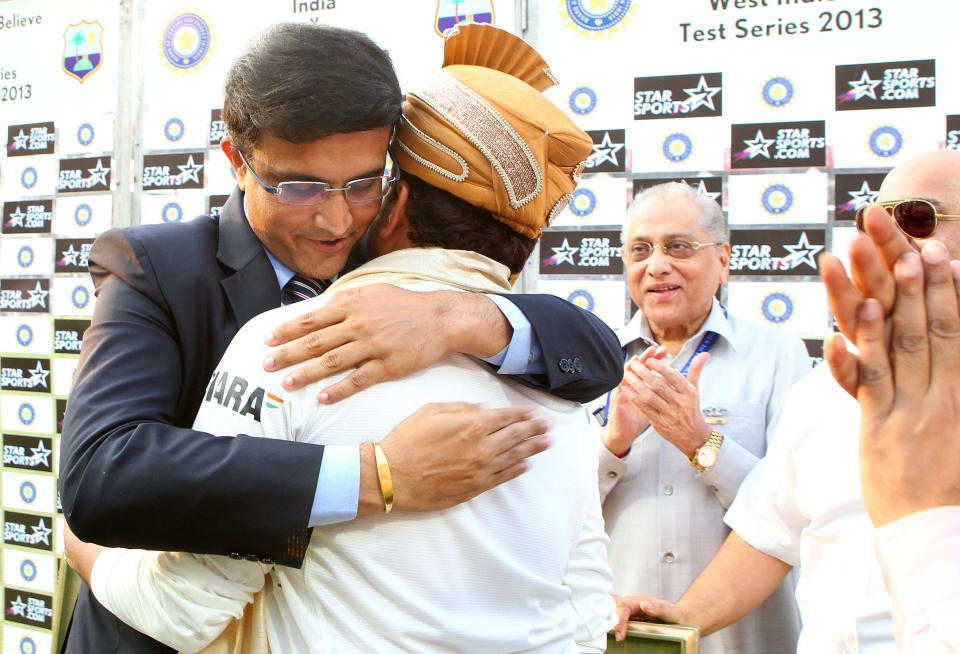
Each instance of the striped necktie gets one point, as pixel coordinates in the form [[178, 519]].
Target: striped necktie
[[302, 288]]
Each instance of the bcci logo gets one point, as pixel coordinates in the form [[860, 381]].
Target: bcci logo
[[28, 570], [186, 41], [584, 202], [28, 178], [583, 100], [777, 307], [25, 256], [26, 414], [82, 215], [85, 134], [611, 14], [777, 92], [28, 492], [82, 50], [582, 298], [677, 147], [777, 199], [885, 141], [80, 297], [171, 213], [173, 130], [24, 335]]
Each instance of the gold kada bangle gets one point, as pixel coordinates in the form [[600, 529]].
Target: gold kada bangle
[[386, 481]]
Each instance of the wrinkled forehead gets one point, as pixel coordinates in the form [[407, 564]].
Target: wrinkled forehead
[[659, 219]]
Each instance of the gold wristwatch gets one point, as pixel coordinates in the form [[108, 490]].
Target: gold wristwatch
[[706, 455]]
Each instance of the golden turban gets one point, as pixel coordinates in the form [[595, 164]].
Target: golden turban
[[481, 130]]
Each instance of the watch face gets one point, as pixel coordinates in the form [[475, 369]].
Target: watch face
[[706, 456]]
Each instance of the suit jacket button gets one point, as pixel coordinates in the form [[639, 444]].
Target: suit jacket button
[[577, 364], [236, 556], [252, 557]]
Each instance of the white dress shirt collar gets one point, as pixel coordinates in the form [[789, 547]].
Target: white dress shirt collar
[[639, 328]]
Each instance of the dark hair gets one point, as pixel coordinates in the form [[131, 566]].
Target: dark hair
[[302, 82], [440, 219]]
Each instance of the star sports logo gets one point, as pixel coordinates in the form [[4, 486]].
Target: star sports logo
[[778, 145], [886, 85], [24, 294], [89, 174], [769, 252], [74, 254], [677, 96], [30, 139], [171, 171]]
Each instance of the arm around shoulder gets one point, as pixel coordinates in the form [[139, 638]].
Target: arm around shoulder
[[581, 354], [132, 472]]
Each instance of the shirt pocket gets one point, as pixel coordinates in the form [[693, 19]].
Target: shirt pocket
[[746, 423]]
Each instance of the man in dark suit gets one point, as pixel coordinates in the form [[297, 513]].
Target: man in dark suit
[[310, 107]]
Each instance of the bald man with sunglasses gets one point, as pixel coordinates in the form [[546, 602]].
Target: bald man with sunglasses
[[803, 504]]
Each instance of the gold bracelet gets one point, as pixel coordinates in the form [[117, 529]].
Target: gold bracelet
[[386, 481]]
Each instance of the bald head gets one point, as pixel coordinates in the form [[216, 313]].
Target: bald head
[[932, 176]]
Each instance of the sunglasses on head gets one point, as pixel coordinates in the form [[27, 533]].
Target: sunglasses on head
[[915, 218]]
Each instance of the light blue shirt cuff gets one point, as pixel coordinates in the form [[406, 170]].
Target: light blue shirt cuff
[[338, 486], [523, 355]]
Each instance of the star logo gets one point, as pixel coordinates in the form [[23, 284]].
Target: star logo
[[701, 96], [189, 171], [38, 376], [863, 87], [20, 141], [38, 296], [17, 607], [41, 532], [863, 197], [98, 174], [564, 254], [41, 456], [605, 150], [802, 253], [702, 190], [16, 218], [70, 257], [758, 146]]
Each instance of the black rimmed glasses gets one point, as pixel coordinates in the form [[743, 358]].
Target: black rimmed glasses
[[301, 194], [676, 249], [915, 218]]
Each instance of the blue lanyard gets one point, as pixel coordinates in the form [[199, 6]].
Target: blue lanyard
[[706, 344]]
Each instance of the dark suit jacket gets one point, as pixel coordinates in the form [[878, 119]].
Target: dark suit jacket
[[133, 473]]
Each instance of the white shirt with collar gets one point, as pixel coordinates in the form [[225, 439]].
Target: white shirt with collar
[[664, 518]]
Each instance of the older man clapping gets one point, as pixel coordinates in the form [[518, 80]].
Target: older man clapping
[[693, 414]]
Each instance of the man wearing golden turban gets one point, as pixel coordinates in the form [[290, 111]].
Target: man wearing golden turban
[[485, 162]]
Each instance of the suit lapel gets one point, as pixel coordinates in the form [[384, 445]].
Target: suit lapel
[[251, 287]]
